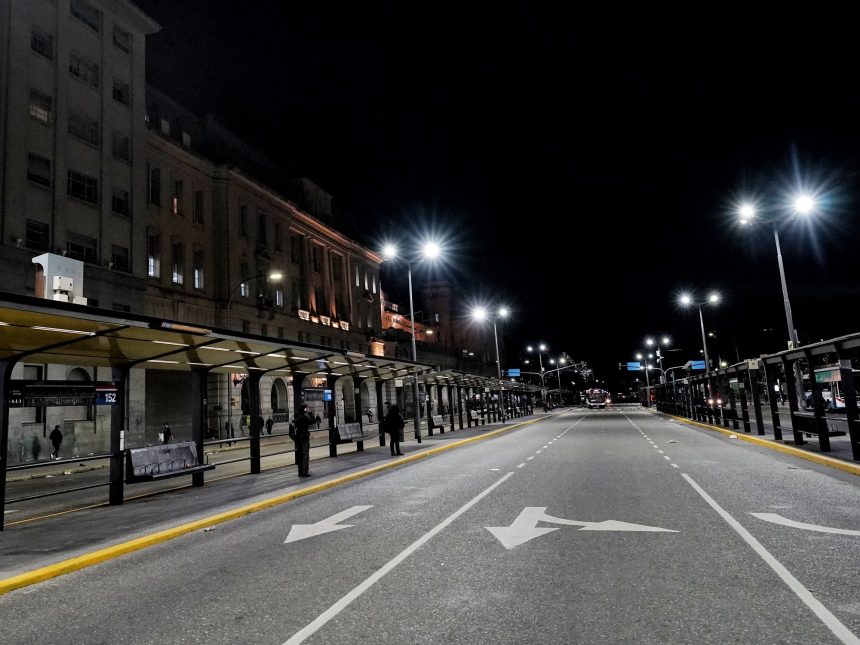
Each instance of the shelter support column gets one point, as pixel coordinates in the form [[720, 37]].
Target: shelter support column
[[773, 398], [255, 409], [357, 381], [118, 416], [199, 384], [849, 391], [333, 437], [378, 385], [5, 384], [451, 406]]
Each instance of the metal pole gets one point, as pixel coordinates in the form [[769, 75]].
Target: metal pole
[[704, 342], [499, 373], [415, 403], [647, 386], [789, 320]]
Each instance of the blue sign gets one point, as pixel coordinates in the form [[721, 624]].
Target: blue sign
[[513, 372], [633, 366], [326, 395], [697, 365]]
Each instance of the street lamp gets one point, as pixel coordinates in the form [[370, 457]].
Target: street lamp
[[713, 299], [480, 314], [430, 250], [272, 276], [664, 341], [804, 205], [540, 350]]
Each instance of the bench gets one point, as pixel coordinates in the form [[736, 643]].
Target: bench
[[350, 432], [437, 421], [162, 461]]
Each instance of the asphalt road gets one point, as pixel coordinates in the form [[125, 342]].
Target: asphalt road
[[607, 526]]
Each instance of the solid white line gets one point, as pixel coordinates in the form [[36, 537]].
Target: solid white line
[[344, 602], [779, 519], [832, 622]]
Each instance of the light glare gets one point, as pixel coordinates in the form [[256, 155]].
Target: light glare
[[431, 250], [389, 251], [479, 313], [714, 298], [804, 204]]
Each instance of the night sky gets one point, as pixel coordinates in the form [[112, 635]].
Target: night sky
[[582, 165]]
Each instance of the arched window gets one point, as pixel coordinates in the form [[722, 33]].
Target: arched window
[[279, 396]]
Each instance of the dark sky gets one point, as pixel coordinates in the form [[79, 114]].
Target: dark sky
[[583, 164]]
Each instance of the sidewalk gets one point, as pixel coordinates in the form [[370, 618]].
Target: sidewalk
[[39, 542], [840, 446]]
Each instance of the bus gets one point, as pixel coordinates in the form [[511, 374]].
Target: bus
[[597, 398]]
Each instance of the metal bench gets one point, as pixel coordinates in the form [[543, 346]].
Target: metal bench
[[159, 462]]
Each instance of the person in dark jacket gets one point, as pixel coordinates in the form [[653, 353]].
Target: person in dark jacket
[[302, 424], [56, 438], [269, 424], [394, 425]]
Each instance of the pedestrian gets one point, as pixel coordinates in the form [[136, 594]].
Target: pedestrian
[[166, 433], [370, 416], [22, 447], [243, 423], [36, 448], [56, 438], [269, 424], [302, 437], [318, 421], [228, 430], [393, 425]]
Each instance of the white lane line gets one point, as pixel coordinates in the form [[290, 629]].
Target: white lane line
[[675, 466], [344, 602], [667, 457], [776, 518], [530, 458], [494, 469], [660, 451], [538, 452], [832, 622], [546, 446], [521, 465]]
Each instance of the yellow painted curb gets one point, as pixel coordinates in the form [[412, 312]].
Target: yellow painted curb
[[823, 460], [88, 559]]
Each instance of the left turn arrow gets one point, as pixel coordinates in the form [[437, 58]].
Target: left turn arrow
[[302, 531]]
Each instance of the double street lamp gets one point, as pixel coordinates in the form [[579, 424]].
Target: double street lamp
[[480, 314], [430, 250], [541, 348], [713, 299], [802, 205], [664, 341]]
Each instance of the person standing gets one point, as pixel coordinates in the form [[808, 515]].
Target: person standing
[[394, 425], [166, 433], [56, 438], [269, 424], [302, 424]]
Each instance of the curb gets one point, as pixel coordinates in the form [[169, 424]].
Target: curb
[[822, 460], [88, 559]]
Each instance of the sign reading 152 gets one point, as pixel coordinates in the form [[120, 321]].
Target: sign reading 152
[[107, 397]]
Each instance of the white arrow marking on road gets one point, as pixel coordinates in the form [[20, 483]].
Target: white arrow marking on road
[[525, 528], [302, 531], [774, 518]]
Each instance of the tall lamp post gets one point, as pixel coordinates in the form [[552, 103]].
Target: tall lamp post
[[664, 341], [429, 251], [647, 382], [232, 383], [480, 314], [540, 350], [272, 276], [802, 205], [713, 299]]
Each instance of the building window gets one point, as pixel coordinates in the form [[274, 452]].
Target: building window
[[80, 247], [243, 221], [121, 146], [87, 14], [319, 293], [177, 268], [246, 327], [40, 106], [119, 258], [120, 201], [295, 249], [153, 256], [279, 297], [121, 40], [121, 92], [243, 274], [176, 199], [280, 332], [336, 268], [38, 169], [36, 237], [316, 257], [297, 296], [198, 206], [84, 70], [262, 229], [42, 43], [199, 260], [84, 128], [154, 188], [83, 187], [279, 237]]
